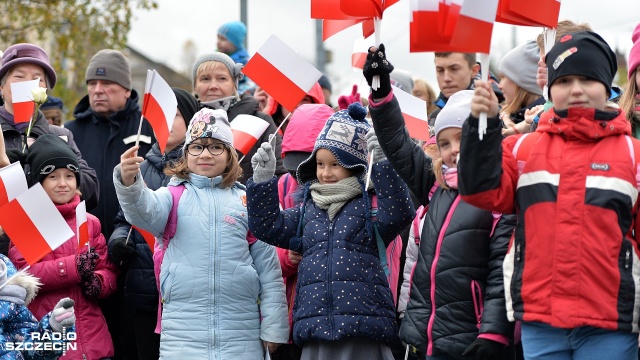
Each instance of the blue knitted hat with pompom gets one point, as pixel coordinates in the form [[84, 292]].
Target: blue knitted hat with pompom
[[343, 135]]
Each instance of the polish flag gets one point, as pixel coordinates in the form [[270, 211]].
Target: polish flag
[[159, 107], [414, 111], [22, 98], [539, 12], [362, 8], [147, 236], [328, 10], [359, 55], [452, 16], [12, 182], [475, 25], [82, 226], [282, 73], [247, 129], [423, 28], [34, 224]]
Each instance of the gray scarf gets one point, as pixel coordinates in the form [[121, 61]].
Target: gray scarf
[[332, 197], [224, 103]]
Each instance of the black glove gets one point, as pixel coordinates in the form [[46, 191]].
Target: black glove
[[483, 349], [377, 64], [16, 155], [86, 264], [122, 252], [91, 286]]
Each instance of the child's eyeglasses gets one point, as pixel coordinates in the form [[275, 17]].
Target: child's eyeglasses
[[197, 149]]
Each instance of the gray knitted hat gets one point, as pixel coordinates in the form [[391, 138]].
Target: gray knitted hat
[[455, 112], [209, 123], [520, 65], [234, 68], [111, 65]]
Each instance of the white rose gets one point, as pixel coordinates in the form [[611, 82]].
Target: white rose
[[39, 95]]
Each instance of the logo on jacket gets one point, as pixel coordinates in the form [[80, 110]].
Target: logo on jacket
[[599, 167]]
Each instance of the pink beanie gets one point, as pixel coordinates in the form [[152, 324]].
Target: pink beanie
[[634, 54]]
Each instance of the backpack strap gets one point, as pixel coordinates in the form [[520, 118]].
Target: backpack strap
[[422, 211], [172, 222]]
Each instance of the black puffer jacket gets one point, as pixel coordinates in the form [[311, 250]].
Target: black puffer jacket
[[101, 141], [140, 283], [249, 105], [466, 257]]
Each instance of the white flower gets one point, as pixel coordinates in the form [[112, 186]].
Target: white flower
[[39, 95]]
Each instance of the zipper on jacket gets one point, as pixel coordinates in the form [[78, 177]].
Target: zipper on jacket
[[627, 257], [478, 301], [330, 272], [518, 248], [432, 275]]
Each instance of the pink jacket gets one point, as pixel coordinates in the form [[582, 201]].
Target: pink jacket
[[59, 276]]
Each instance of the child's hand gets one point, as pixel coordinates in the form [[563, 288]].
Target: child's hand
[[294, 257], [531, 114], [541, 76], [271, 347], [373, 146], [264, 163], [130, 166], [377, 64], [63, 315], [484, 100]]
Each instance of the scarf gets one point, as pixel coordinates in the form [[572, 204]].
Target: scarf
[[332, 197], [8, 118], [224, 103], [450, 176]]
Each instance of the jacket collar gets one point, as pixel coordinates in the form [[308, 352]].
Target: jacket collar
[[69, 209], [584, 124], [83, 110]]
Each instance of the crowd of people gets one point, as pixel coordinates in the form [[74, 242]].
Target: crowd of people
[[338, 235]]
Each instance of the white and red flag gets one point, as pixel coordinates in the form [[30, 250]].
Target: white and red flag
[[414, 111], [147, 236], [360, 50], [33, 224], [527, 13], [22, 97], [247, 129], [159, 107], [475, 25], [12, 182], [282, 73], [82, 225]]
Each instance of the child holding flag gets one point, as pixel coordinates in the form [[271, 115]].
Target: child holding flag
[[343, 304], [83, 275], [216, 281], [572, 271]]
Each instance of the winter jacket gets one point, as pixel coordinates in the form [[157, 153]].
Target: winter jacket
[[214, 287], [89, 186], [576, 200], [464, 283], [18, 323], [140, 290], [334, 299], [411, 257], [59, 276], [13, 136], [249, 105], [101, 141]]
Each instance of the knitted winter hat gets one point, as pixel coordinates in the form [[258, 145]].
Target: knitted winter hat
[[235, 32], [52, 103], [209, 123], [520, 65], [111, 65], [305, 125], [235, 69], [402, 80], [634, 54], [24, 53], [324, 82], [343, 135], [187, 104], [455, 112], [584, 53], [47, 154]]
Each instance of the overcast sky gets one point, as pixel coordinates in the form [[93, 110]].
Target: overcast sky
[[160, 34]]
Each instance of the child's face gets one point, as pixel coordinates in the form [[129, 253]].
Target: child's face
[[60, 185], [178, 132], [573, 91], [207, 157], [449, 144], [328, 170], [638, 78], [225, 46], [508, 88]]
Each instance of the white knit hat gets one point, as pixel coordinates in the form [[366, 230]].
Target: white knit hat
[[455, 112]]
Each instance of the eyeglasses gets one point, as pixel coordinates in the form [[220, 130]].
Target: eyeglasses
[[197, 149]]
